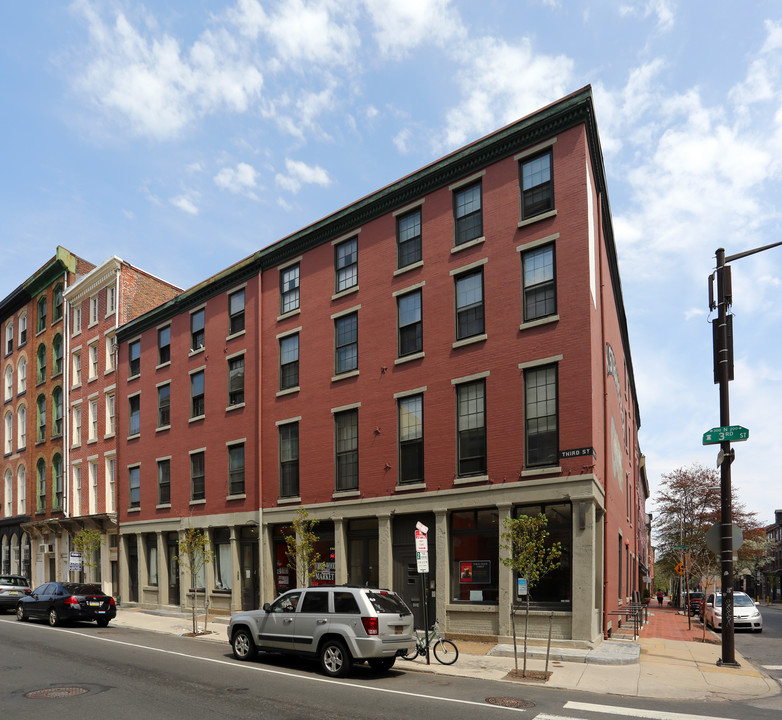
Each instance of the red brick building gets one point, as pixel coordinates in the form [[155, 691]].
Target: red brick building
[[33, 464], [449, 351]]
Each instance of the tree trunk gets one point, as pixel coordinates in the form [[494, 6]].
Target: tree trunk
[[526, 627]]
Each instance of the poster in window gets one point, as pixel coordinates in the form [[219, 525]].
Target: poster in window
[[475, 571]]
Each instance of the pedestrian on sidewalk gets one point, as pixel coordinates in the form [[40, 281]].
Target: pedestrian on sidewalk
[[660, 596]]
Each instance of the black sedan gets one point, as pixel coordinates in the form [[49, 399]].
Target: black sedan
[[60, 602]]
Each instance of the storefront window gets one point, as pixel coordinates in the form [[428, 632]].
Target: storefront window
[[152, 559], [554, 590], [325, 570], [475, 556], [222, 541], [284, 576]]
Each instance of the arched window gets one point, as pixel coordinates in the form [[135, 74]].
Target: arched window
[[21, 491], [40, 374], [57, 482], [40, 483], [22, 329], [21, 375], [41, 314], [57, 309], [8, 498], [9, 337], [41, 419], [21, 427], [8, 444], [57, 412], [9, 382], [57, 355]]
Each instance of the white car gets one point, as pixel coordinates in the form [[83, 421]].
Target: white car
[[746, 615]]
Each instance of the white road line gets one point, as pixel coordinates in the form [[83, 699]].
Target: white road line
[[269, 671], [771, 667], [635, 712]]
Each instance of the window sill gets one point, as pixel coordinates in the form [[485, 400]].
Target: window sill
[[237, 406], [470, 341], [343, 293], [108, 436], [484, 606], [468, 244], [538, 218], [163, 506], [545, 470], [21, 393], [197, 351], [108, 371], [76, 386], [76, 446], [134, 377], [202, 501], [134, 510], [237, 334], [92, 441], [289, 314], [339, 494], [470, 479], [288, 500], [409, 358], [345, 375], [161, 365], [134, 437], [540, 321], [407, 487], [94, 378], [407, 268], [196, 418], [237, 496], [162, 428], [288, 391]]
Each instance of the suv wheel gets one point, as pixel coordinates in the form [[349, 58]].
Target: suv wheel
[[243, 644], [335, 659]]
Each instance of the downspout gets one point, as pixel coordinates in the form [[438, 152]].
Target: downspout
[[115, 350], [66, 401]]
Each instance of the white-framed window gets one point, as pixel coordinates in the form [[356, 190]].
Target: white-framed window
[[77, 368], [289, 289], [134, 415], [76, 426], [22, 329], [111, 480], [77, 319], [9, 382], [21, 490], [109, 352], [346, 265], [8, 445], [8, 505], [93, 360], [134, 485], [77, 489], [93, 310], [21, 372], [92, 472], [110, 414], [537, 187], [111, 300], [21, 427], [9, 337], [92, 412]]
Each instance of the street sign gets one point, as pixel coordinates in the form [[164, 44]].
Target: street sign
[[75, 561], [421, 541], [713, 538], [422, 561], [679, 568], [521, 589], [681, 547], [726, 433]]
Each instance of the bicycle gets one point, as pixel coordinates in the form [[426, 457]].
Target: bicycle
[[445, 651]]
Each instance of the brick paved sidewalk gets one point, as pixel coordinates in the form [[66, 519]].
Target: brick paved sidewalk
[[667, 623]]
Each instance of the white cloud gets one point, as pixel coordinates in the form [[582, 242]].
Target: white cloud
[[299, 173], [240, 180], [401, 25], [157, 87], [502, 82], [185, 203], [662, 10]]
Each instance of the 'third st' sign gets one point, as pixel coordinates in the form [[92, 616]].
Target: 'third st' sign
[[731, 433]]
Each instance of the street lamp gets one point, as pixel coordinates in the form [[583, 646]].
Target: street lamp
[[723, 371]]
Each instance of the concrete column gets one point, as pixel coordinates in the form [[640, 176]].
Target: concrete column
[[505, 574], [236, 573], [123, 592], [442, 573], [385, 554], [143, 571], [584, 571], [340, 552]]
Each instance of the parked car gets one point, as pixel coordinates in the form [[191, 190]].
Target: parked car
[[12, 587], [336, 624], [746, 615], [59, 602], [694, 602]]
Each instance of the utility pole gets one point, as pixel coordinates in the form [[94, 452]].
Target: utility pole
[[723, 371]]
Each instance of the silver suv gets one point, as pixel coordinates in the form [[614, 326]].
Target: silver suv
[[12, 589], [336, 624]]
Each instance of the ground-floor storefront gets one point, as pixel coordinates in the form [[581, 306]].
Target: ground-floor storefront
[[15, 551], [372, 542]]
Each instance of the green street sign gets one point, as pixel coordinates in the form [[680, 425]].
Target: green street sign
[[681, 547], [732, 433]]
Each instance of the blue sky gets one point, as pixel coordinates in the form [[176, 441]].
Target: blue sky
[[182, 135]]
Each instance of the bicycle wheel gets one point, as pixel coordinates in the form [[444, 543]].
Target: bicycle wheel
[[412, 654], [445, 652]]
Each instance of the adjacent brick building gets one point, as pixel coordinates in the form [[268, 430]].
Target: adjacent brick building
[[449, 351], [33, 465]]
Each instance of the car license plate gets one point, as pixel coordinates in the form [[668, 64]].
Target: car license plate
[[93, 603], [399, 629], [13, 592]]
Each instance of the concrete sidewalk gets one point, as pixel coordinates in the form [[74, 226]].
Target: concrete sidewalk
[[658, 667]]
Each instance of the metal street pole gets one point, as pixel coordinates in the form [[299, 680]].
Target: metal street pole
[[722, 358]]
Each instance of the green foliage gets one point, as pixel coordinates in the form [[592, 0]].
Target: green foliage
[[302, 557], [88, 541], [194, 554], [528, 553]]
